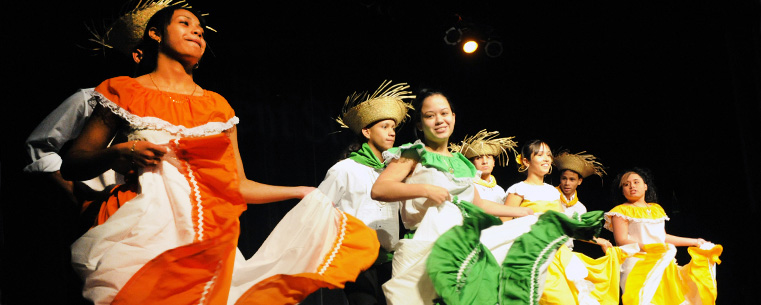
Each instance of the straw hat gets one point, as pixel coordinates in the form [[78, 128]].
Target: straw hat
[[386, 102], [485, 144], [126, 32], [584, 164]]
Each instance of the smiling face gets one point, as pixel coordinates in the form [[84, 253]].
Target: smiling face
[[183, 37], [437, 119], [484, 163], [381, 135], [540, 162], [633, 187]]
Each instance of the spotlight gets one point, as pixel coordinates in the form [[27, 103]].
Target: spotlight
[[470, 46], [493, 48], [453, 36]]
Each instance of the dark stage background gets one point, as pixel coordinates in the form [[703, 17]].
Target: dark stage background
[[672, 86]]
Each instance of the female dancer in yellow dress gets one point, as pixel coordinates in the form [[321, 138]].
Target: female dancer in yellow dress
[[652, 276], [572, 278]]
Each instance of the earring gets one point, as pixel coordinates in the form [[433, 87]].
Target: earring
[[196, 66]]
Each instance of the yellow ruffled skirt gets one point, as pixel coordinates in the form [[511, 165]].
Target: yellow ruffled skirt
[[649, 277]]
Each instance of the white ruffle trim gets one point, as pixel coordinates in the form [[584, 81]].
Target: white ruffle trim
[[419, 147], [153, 123], [609, 222], [396, 153], [339, 243]]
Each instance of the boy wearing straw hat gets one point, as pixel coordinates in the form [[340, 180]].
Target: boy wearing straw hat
[[484, 151], [573, 169], [373, 118]]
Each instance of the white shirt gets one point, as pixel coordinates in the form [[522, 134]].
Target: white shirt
[[59, 127], [348, 184], [578, 207], [496, 193]]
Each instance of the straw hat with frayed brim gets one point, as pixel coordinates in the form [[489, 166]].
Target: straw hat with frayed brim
[[486, 144], [126, 32], [583, 164], [363, 109]]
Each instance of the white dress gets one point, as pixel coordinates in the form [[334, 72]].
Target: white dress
[[410, 283], [652, 275]]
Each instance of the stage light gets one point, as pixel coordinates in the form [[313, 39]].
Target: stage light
[[470, 46], [493, 48], [453, 36]]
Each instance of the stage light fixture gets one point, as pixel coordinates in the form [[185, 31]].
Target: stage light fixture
[[453, 36], [493, 48], [470, 46]]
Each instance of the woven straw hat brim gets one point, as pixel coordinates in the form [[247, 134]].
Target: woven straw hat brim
[[374, 110], [485, 149], [584, 164], [485, 143], [575, 165], [128, 30]]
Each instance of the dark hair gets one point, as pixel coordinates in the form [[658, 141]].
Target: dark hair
[[530, 148], [617, 192], [420, 97], [357, 141], [150, 47], [560, 173]]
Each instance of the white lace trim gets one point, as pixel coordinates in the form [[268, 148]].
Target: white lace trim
[[389, 156], [210, 284], [460, 281], [535, 267], [338, 245], [138, 122], [199, 202]]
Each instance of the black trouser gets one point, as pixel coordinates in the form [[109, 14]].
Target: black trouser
[[366, 290]]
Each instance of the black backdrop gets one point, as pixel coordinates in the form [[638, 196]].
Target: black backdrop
[[670, 86]]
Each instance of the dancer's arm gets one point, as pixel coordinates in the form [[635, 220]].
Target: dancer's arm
[[621, 232], [90, 154], [255, 192], [390, 184], [500, 210], [684, 241], [602, 242], [512, 200]]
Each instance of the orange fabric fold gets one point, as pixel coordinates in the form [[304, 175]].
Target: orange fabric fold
[[203, 269], [199, 273], [119, 196], [356, 251], [211, 171]]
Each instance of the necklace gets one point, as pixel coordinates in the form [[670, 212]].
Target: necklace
[[646, 207], [187, 97]]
